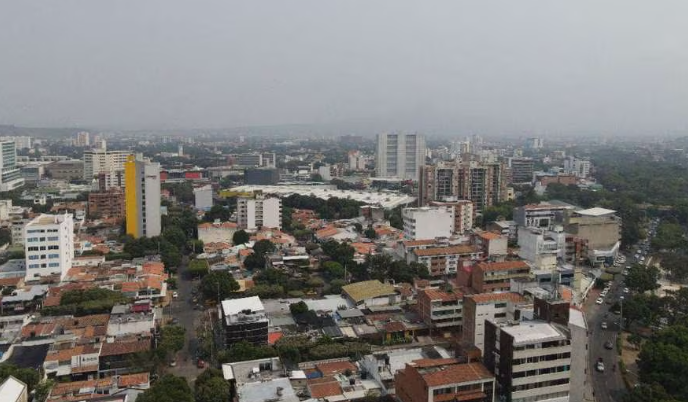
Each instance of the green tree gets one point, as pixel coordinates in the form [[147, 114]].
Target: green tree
[[210, 386], [641, 279], [218, 284], [333, 269], [5, 236], [648, 393], [169, 388], [664, 361], [669, 237], [370, 232], [240, 237], [244, 350], [336, 286], [171, 340], [217, 212], [175, 236], [262, 247], [198, 268], [298, 308], [28, 376]]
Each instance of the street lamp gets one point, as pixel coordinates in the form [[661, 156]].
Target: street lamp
[[621, 299]]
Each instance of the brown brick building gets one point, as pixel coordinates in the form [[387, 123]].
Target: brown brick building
[[106, 204], [496, 276]]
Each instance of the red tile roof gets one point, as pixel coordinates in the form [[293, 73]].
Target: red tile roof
[[502, 266], [445, 251], [123, 348], [496, 297], [328, 369], [325, 389], [489, 235], [435, 294], [457, 373]]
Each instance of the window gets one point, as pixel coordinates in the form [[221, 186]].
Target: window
[[53, 247], [54, 264], [53, 256], [53, 238], [33, 248], [33, 257], [33, 266]]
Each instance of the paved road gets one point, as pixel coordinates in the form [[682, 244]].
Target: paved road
[[182, 310]]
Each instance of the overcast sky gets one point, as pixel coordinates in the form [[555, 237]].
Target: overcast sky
[[512, 67]]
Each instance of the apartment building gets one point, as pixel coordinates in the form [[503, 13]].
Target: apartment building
[[464, 214], [142, 197], [520, 170], [441, 310], [577, 166], [66, 169], [203, 197], [400, 155], [493, 245], [428, 222], [483, 183], [446, 260], [496, 276], [531, 360], [495, 307], [259, 211], [49, 246], [542, 215], [10, 174], [107, 204], [244, 320], [441, 380], [97, 161]]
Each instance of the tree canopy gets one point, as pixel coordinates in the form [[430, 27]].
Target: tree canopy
[[664, 361], [641, 278], [218, 284], [240, 237], [168, 388], [210, 386]]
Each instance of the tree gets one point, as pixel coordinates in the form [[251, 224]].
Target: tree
[[169, 388], [648, 393], [175, 236], [262, 247], [240, 237], [333, 269], [198, 268], [676, 264], [5, 236], [336, 286], [669, 237], [635, 339], [218, 285], [244, 350], [217, 213], [28, 376], [210, 386], [171, 340], [370, 232], [641, 279], [298, 308], [664, 361]]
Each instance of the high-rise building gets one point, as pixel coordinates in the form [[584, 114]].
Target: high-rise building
[[531, 360], [577, 166], [521, 170], [482, 183], [259, 211], [49, 246], [464, 214], [244, 320], [22, 142], [142, 197], [106, 204], [83, 139], [400, 155], [203, 197], [10, 174], [534, 143], [97, 161]]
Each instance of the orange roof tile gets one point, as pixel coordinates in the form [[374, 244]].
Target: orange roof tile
[[497, 297], [489, 235], [129, 380], [123, 348], [502, 266], [435, 294], [332, 368], [274, 337], [424, 242], [10, 281], [326, 232], [457, 373], [422, 363], [324, 390], [395, 326]]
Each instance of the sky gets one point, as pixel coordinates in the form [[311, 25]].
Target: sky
[[547, 67]]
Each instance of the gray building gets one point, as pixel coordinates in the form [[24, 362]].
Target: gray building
[[264, 176], [400, 155]]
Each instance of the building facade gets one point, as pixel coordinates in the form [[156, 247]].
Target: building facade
[[428, 222], [107, 204], [10, 174], [441, 310], [400, 155], [259, 211], [244, 320], [464, 214], [142, 197], [496, 276], [203, 197], [97, 161], [443, 261], [49, 246], [496, 307], [441, 380], [521, 170]]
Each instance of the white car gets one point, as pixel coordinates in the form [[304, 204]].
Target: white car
[[603, 325], [599, 300], [600, 367], [626, 290], [175, 295]]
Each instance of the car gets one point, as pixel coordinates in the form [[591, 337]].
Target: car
[[599, 300], [604, 325], [175, 295], [609, 345], [200, 364], [600, 367], [173, 363], [626, 290]]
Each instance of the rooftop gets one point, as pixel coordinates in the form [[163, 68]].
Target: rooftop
[[496, 297], [12, 389], [596, 212], [455, 374], [236, 306], [360, 291], [502, 266], [445, 251], [435, 294], [533, 331], [262, 391]]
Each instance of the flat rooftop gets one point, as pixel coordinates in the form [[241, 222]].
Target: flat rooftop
[[267, 390], [384, 199], [533, 331], [236, 306], [596, 212]]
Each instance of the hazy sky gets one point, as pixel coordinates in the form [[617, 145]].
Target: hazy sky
[[511, 66]]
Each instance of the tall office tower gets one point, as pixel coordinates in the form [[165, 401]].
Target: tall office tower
[[83, 139], [49, 246], [142, 196], [10, 175], [521, 169], [97, 161], [400, 155], [259, 211]]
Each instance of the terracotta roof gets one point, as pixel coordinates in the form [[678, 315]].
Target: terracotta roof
[[435, 294], [152, 267], [325, 389], [123, 348], [332, 368], [421, 363], [501, 266], [489, 235], [496, 297], [445, 251], [326, 232], [10, 281], [274, 337], [395, 326], [457, 373], [129, 380], [422, 242]]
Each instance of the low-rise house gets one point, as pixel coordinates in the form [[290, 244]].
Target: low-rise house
[[370, 293], [496, 276], [438, 380], [441, 310], [443, 261]]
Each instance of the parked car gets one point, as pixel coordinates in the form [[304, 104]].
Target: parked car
[[200, 364], [604, 325], [609, 345], [599, 300], [600, 367], [175, 295]]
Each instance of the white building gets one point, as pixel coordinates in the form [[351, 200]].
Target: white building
[[577, 167], [142, 196], [428, 222], [245, 319], [400, 155], [259, 211], [464, 214], [49, 246], [22, 142], [579, 360], [541, 247], [482, 307], [97, 161], [13, 390], [538, 356], [203, 197], [357, 161], [10, 174]]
